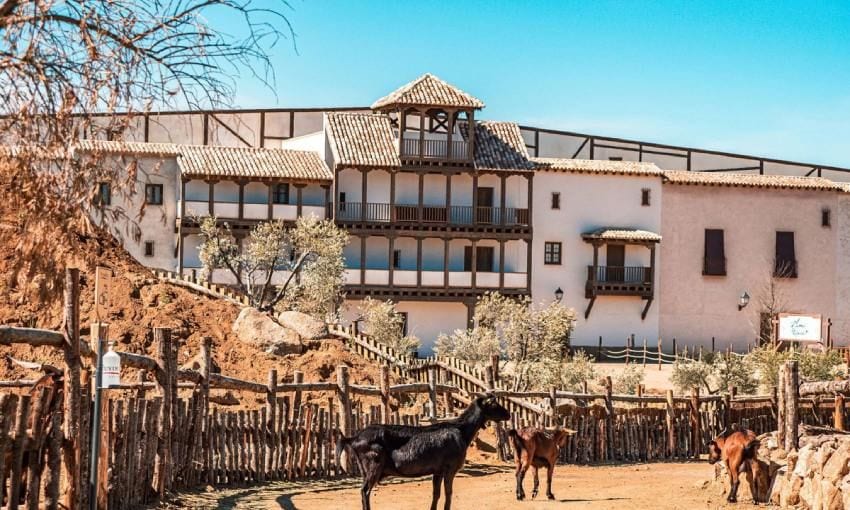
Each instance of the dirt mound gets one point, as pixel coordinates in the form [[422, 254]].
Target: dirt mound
[[137, 302]]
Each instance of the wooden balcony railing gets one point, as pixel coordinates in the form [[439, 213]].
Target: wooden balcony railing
[[431, 214], [434, 149], [619, 281]]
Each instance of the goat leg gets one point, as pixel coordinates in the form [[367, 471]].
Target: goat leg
[[447, 482], [520, 476], [437, 481], [735, 481], [536, 482], [550, 470]]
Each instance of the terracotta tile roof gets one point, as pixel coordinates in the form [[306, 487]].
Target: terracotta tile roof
[[596, 166], [621, 234], [750, 180], [362, 139], [431, 91], [499, 146], [217, 161]]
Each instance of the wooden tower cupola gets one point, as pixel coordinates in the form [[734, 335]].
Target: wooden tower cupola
[[428, 115]]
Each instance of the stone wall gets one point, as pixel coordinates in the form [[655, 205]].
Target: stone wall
[[817, 476]]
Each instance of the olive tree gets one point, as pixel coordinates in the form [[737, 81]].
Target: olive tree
[[532, 340], [386, 326], [311, 253]]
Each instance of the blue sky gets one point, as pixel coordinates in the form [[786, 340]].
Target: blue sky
[[763, 78]]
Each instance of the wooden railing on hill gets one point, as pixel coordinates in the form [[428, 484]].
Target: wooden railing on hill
[[202, 286]]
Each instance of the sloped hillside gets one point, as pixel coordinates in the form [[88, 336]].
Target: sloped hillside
[[137, 303]]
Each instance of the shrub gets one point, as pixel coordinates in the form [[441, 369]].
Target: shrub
[[691, 374], [384, 325], [628, 379]]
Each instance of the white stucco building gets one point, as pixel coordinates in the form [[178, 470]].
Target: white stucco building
[[642, 239]]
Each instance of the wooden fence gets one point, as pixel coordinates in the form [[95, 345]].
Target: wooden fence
[[167, 434]]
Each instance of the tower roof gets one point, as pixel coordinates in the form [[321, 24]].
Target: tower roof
[[428, 90]]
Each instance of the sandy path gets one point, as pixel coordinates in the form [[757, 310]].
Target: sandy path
[[480, 487]]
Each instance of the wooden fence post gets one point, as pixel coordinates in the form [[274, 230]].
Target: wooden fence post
[[727, 411], [780, 405], [695, 423], [599, 350], [71, 449], [385, 394], [553, 405], [164, 458], [344, 400], [675, 350], [712, 344], [660, 351], [269, 427], [494, 362], [298, 378], [792, 387], [838, 417], [671, 429], [609, 419], [432, 392]]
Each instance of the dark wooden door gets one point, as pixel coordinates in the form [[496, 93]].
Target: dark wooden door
[[616, 260], [485, 205]]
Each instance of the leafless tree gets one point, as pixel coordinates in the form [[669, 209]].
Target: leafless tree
[[76, 69]]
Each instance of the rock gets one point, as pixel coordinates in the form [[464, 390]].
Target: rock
[[807, 493], [830, 496], [838, 464], [790, 494], [257, 328], [805, 461], [822, 456], [779, 481], [196, 361], [305, 325]]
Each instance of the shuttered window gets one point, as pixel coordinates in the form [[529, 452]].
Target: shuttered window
[[552, 253], [714, 260], [785, 265]]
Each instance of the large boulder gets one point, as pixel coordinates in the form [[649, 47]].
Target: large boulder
[[257, 328], [305, 325], [838, 464]]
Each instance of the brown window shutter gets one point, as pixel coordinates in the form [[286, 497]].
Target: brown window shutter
[[786, 261], [714, 262]]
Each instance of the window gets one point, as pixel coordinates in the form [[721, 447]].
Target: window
[[644, 196], [785, 263], [556, 200], [148, 248], [714, 260], [396, 259], [342, 201], [153, 194], [824, 218], [104, 194], [551, 253], [281, 193]]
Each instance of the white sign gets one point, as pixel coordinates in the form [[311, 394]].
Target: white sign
[[799, 327]]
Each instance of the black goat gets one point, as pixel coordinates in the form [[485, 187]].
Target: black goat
[[439, 449]]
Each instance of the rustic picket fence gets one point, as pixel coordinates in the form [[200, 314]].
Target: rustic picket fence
[[165, 432]]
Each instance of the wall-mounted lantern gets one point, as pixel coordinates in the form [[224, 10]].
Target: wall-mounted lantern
[[743, 301], [559, 295]]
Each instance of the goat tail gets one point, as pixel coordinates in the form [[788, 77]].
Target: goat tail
[[751, 449], [516, 441]]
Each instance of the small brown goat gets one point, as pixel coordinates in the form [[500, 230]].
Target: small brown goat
[[535, 448], [738, 450]]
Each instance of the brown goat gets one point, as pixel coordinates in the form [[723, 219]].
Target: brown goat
[[738, 450], [535, 448]]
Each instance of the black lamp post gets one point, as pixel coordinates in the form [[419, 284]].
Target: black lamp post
[[559, 295]]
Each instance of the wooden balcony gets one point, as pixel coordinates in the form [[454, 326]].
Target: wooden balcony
[[430, 150], [456, 215], [619, 281]]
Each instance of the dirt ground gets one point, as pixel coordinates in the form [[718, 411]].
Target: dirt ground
[[491, 487]]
